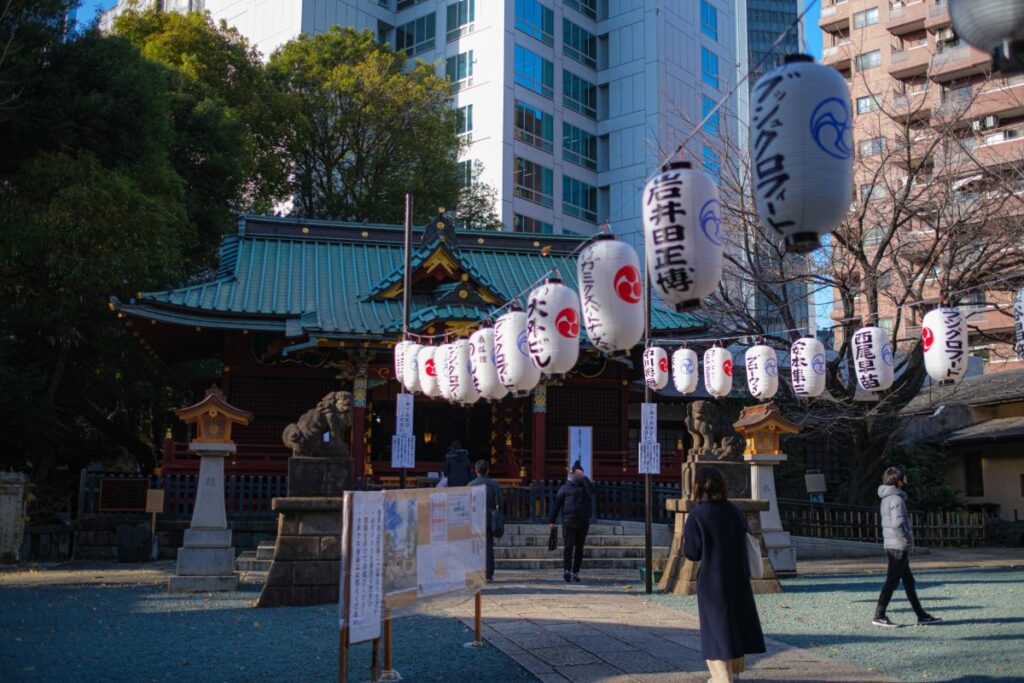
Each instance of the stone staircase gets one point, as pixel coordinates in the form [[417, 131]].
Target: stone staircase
[[254, 565], [610, 545]]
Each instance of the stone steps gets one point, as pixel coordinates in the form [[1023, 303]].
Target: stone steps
[[595, 552], [622, 540], [555, 564], [596, 529], [610, 545]]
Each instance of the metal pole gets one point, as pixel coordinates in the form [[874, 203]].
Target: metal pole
[[478, 629], [343, 655], [406, 280], [648, 503]]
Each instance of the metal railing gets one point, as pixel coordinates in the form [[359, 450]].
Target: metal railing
[[618, 500]]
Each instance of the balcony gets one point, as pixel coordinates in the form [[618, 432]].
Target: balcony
[[938, 16], [1005, 102], [834, 15], [959, 62], [909, 63], [1004, 147], [916, 105], [837, 56], [907, 18]]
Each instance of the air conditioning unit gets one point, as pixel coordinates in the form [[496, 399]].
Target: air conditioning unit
[[976, 126], [945, 34], [990, 122]]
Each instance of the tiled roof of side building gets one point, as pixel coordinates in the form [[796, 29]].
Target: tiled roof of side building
[[990, 388]]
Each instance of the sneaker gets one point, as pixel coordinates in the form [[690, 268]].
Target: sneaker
[[884, 622], [576, 577], [568, 576], [928, 619]]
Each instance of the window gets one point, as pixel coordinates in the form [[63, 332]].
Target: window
[[579, 147], [709, 67], [587, 8], [579, 199], [521, 223], [534, 72], [580, 95], [465, 171], [865, 18], [870, 192], [460, 18], [974, 301], [974, 477], [873, 236], [711, 165], [536, 20], [886, 324], [868, 60], [871, 147], [708, 20], [868, 103], [706, 107], [955, 93], [416, 37], [464, 119], [459, 70], [533, 182], [579, 44], [534, 127], [406, 4]]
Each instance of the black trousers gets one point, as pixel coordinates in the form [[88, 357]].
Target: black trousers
[[574, 537], [899, 570], [490, 555]]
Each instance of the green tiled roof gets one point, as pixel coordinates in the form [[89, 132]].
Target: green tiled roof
[[317, 277]]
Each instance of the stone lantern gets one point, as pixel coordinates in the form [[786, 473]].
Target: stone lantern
[[206, 561], [762, 426]]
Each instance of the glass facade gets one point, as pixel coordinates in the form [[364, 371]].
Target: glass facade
[[766, 21], [580, 94], [579, 147], [579, 199], [708, 20], [536, 19], [534, 72], [708, 67], [521, 223], [461, 15], [417, 36], [535, 127], [459, 70], [579, 44], [534, 182]]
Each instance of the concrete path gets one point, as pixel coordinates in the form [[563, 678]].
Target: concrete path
[[604, 630], [936, 558]]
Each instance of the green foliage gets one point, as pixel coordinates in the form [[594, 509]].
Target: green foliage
[[26, 28], [475, 208], [365, 128], [926, 467]]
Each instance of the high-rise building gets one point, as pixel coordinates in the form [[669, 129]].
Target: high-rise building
[[568, 106], [767, 20]]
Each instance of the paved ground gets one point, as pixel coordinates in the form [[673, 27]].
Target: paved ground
[[937, 558]]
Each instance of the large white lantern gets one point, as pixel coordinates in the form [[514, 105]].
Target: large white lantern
[[427, 359], [460, 373], [762, 371], [485, 373], [801, 149], [611, 292], [685, 370], [944, 340], [873, 358], [410, 377], [400, 352], [683, 234], [553, 327], [995, 26], [511, 355], [444, 378], [807, 367], [656, 367], [1018, 323], [718, 371]]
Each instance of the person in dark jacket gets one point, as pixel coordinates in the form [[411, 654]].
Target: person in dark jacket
[[456, 465], [493, 503], [898, 538], [574, 502], [716, 536]]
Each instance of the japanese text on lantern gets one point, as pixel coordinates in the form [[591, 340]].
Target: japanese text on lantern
[[951, 318], [798, 366], [536, 309], [864, 355], [591, 307], [753, 379], [770, 176], [669, 234]]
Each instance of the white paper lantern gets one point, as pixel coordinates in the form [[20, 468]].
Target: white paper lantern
[[807, 367], [427, 358], [611, 294], [553, 327], [801, 149], [683, 234], [718, 371], [511, 355], [656, 367], [410, 377], [485, 373], [1018, 323], [990, 25], [873, 358], [762, 371], [444, 378], [944, 340], [460, 373], [685, 370]]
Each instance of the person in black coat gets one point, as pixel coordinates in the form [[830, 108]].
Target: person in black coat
[[574, 502], [715, 535], [456, 465], [483, 469]]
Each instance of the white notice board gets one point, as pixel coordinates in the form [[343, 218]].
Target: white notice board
[[403, 416], [365, 597], [581, 448]]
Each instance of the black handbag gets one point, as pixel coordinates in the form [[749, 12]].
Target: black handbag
[[553, 539], [497, 524]]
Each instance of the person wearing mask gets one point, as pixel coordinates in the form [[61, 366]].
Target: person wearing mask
[[574, 502], [483, 468], [899, 539], [456, 465], [716, 536]]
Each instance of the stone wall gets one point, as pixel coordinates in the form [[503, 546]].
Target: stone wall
[[307, 553]]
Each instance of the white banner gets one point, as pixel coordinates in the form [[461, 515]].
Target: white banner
[[580, 445], [365, 595], [403, 417], [648, 422], [649, 461], [403, 450]]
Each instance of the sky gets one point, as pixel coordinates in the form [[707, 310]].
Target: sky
[[90, 8]]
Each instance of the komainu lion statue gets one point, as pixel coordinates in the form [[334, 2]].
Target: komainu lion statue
[[333, 417], [713, 435]]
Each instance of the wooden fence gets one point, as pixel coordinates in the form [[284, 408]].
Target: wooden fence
[[852, 523]]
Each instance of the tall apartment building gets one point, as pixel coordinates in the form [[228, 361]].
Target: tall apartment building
[[919, 91], [567, 106]]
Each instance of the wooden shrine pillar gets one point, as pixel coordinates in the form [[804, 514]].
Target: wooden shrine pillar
[[540, 415], [359, 427]]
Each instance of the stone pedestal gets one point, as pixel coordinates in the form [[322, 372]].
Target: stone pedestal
[[12, 515], [324, 477], [305, 569], [680, 576], [206, 560], [762, 484]]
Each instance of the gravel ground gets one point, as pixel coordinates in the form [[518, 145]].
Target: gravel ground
[[141, 633], [982, 638]]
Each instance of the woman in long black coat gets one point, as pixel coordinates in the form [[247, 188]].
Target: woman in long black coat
[[715, 535]]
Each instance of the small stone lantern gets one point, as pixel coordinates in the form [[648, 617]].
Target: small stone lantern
[[763, 426]]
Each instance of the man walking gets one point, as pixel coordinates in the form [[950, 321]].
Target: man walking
[[493, 503], [573, 501], [899, 539]]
